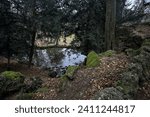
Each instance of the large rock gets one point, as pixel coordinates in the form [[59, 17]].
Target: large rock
[[70, 72], [92, 59], [129, 83], [138, 71], [10, 82], [144, 60], [109, 94]]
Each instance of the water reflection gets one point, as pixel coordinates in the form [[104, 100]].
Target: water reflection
[[57, 57]]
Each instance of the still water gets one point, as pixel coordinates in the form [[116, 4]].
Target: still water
[[57, 57]]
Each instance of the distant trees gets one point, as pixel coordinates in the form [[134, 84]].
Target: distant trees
[[7, 24], [22, 21]]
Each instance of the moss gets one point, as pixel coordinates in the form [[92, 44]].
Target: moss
[[92, 59], [108, 53], [71, 70], [12, 75], [42, 90]]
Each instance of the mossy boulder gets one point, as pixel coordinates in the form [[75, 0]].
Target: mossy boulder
[[12, 75], [108, 53], [129, 83], [71, 71], [92, 59], [10, 82]]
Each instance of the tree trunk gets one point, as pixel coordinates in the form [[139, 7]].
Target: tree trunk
[[110, 22], [8, 53], [107, 25], [32, 48], [113, 25], [33, 33]]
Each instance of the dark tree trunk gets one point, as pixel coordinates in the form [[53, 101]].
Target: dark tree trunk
[[32, 48], [107, 25], [110, 22], [33, 33], [8, 53]]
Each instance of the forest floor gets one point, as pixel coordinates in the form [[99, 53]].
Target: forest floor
[[87, 81]]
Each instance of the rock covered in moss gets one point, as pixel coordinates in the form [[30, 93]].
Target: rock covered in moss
[[92, 59], [108, 53], [10, 81], [109, 94], [12, 75], [130, 83], [71, 71]]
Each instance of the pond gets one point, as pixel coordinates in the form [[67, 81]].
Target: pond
[[58, 57]]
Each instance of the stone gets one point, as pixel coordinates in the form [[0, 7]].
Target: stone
[[70, 72], [52, 74], [92, 59], [10, 82], [129, 83], [109, 94]]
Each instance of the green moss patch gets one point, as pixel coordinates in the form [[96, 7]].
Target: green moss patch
[[71, 70], [92, 59], [12, 75], [108, 53]]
